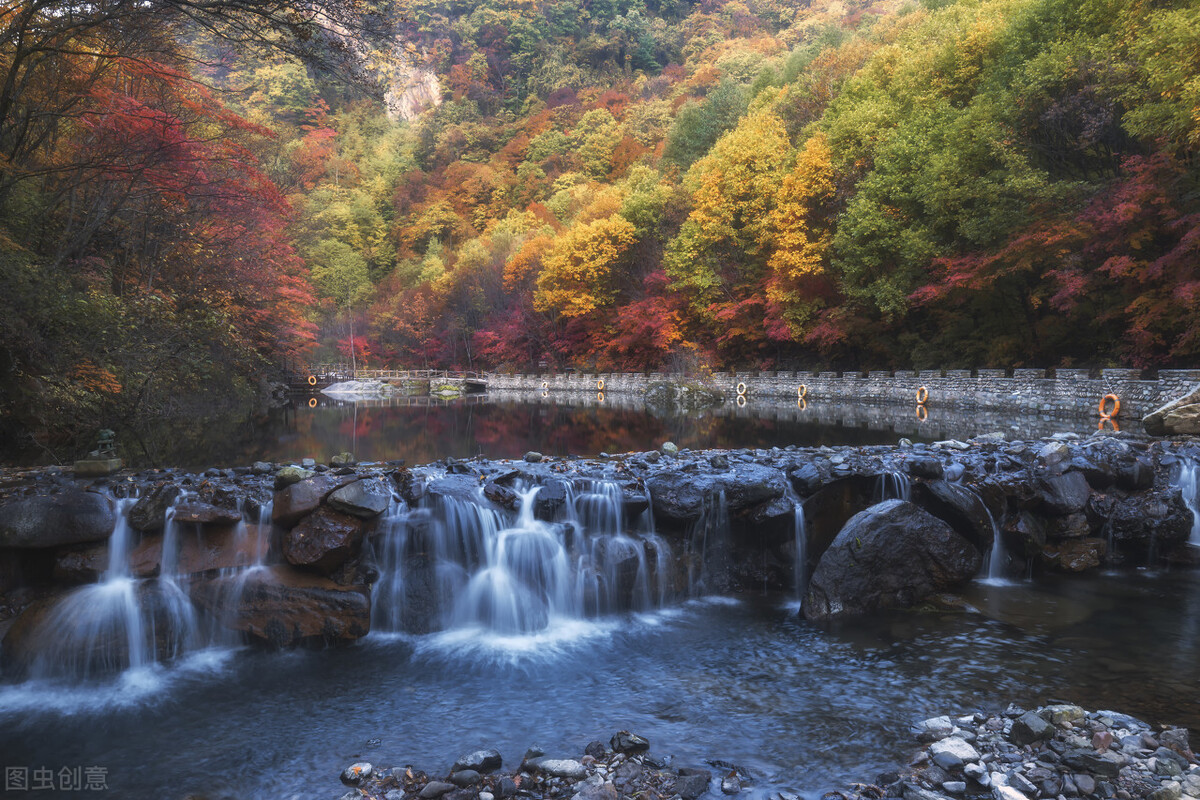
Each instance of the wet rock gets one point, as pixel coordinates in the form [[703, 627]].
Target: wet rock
[[282, 607], [205, 551], [355, 774], [1030, 728], [289, 475], [483, 761], [342, 460], [558, 767], [206, 514], [806, 479], [892, 555], [951, 753], [549, 500], [435, 789], [682, 496], [934, 729], [1094, 763], [692, 782], [533, 457], [460, 488], [465, 777], [959, 507], [300, 499], [731, 784], [925, 467], [1075, 555], [69, 517], [669, 448], [595, 750], [261, 468], [149, 514], [626, 742], [599, 790], [324, 540], [1064, 494], [501, 495], [365, 499]]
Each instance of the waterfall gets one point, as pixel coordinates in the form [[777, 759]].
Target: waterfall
[[458, 563], [892, 486], [709, 544], [1189, 487], [995, 562]]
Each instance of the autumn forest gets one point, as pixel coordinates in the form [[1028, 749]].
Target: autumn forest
[[193, 193]]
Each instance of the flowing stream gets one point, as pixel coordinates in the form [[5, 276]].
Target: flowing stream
[[555, 629]]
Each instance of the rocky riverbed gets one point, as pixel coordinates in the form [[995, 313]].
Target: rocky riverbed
[[1053, 752], [294, 554]]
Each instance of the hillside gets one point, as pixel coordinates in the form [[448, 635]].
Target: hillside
[[610, 185]]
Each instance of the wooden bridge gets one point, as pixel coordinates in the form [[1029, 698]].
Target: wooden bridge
[[315, 377]]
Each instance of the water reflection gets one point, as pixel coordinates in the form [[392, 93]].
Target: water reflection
[[506, 424]]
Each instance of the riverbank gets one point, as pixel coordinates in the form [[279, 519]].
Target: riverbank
[[1053, 751]]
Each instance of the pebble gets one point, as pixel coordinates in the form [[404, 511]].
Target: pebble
[[356, 773]]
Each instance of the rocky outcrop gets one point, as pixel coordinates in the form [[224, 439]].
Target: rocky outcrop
[[892, 555], [323, 541], [282, 607], [683, 495], [65, 518]]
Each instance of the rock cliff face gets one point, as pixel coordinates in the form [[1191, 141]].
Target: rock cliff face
[[411, 88]]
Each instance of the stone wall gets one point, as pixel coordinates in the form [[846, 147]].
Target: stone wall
[[1062, 392]]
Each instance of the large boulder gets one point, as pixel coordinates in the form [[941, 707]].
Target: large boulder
[[959, 507], [324, 540], [300, 499], [1067, 493], [69, 517], [207, 550], [681, 496], [284, 607], [1183, 412], [365, 499], [894, 554]]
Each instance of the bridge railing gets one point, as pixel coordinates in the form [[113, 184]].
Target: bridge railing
[[345, 372]]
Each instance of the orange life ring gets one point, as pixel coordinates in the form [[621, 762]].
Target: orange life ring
[[545, 385], [1115, 408], [312, 402], [741, 401], [1112, 422], [600, 385], [600, 397], [802, 391], [802, 404], [312, 380], [741, 388], [922, 413], [922, 396]]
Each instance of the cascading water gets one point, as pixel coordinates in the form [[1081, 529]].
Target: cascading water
[[800, 543], [996, 561], [892, 486], [1189, 487], [709, 543], [455, 563]]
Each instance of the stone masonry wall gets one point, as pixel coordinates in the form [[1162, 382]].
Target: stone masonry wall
[[1065, 392]]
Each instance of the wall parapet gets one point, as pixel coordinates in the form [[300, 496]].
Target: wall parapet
[[1065, 392]]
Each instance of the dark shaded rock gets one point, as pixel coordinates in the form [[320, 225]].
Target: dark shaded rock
[[304, 497], [206, 514], [1135, 475], [324, 540], [1064, 494], [626, 742], [960, 508], [925, 467], [435, 789], [500, 495], [549, 500], [365, 499], [281, 607], [149, 514], [691, 782], [595, 750], [1030, 728], [1075, 555], [69, 517], [465, 777], [681, 496], [1093, 763], [1150, 518], [806, 479], [481, 761], [461, 488], [892, 555]]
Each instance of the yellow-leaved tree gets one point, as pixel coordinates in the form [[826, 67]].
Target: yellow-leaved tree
[[800, 233], [578, 273]]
